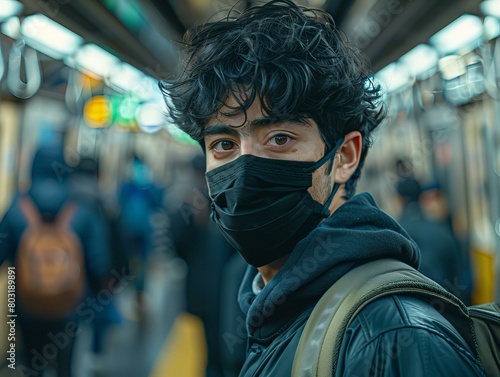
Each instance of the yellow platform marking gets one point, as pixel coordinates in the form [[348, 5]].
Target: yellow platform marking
[[185, 351], [484, 276]]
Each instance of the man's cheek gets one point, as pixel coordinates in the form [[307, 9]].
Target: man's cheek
[[319, 185]]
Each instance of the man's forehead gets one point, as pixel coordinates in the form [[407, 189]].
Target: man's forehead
[[232, 112]]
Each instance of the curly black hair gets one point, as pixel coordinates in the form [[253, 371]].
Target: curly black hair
[[292, 59]]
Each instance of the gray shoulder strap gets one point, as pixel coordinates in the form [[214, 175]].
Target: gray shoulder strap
[[318, 350]]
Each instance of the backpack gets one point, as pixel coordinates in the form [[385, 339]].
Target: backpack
[[50, 264], [319, 345]]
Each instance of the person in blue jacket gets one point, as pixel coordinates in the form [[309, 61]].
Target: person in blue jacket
[[139, 199], [284, 108], [47, 341]]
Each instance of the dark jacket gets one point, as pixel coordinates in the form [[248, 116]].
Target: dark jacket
[[393, 336], [440, 256]]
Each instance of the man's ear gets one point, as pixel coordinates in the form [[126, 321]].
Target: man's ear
[[347, 159]]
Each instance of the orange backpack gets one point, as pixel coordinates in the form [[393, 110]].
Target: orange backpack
[[50, 264]]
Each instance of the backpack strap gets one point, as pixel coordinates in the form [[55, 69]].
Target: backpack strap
[[30, 211], [65, 215], [319, 345], [34, 218]]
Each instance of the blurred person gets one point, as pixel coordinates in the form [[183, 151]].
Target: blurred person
[[284, 107], [84, 184], [440, 255], [434, 203], [206, 252], [139, 198], [49, 324], [233, 337], [435, 207]]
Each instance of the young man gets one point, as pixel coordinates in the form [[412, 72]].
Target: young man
[[284, 108]]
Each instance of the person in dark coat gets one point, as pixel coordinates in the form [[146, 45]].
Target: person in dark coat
[[284, 108], [440, 256], [85, 189], [50, 192], [206, 253]]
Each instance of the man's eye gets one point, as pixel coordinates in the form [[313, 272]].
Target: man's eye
[[224, 145], [280, 139]]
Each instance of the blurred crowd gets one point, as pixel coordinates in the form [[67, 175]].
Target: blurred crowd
[[64, 226]]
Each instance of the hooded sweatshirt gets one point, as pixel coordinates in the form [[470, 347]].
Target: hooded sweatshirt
[[49, 188], [357, 232]]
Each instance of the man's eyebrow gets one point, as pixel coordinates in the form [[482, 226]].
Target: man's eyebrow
[[263, 122], [218, 129], [250, 126]]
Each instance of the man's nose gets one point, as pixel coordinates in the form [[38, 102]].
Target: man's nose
[[247, 146]]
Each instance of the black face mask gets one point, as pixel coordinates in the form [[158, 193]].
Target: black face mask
[[262, 205]]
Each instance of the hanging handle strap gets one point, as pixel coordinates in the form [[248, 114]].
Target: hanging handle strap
[[17, 87]]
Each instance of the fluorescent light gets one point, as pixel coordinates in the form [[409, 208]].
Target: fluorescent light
[[393, 77], [148, 89], [95, 61], [420, 60], [451, 66], [9, 8], [49, 37], [491, 27], [465, 32], [126, 77], [490, 8], [12, 28]]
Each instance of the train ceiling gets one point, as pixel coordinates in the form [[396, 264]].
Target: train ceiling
[[145, 33]]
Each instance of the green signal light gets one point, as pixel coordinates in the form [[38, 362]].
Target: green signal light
[[180, 135], [127, 109]]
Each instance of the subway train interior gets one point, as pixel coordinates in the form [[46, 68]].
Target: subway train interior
[[81, 76]]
